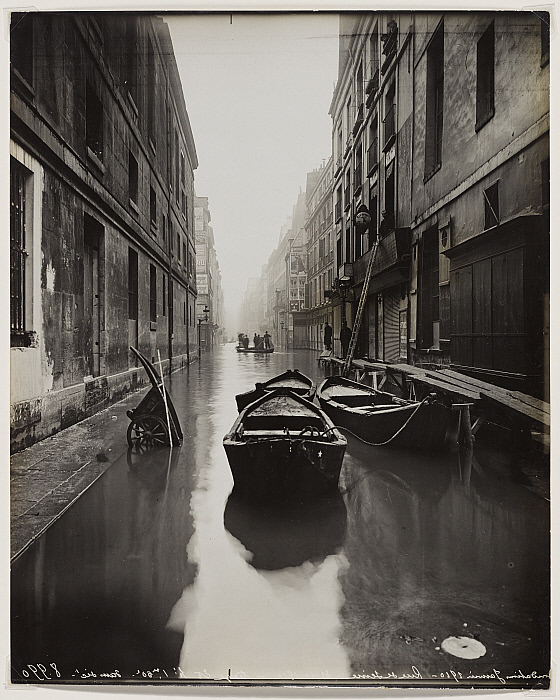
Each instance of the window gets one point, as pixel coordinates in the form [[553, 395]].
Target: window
[[179, 246], [373, 213], [94, 123], [132, 285], [132, 179], [151, 94], [153, 294], [360, 86], [491, 206], [372, 155], [358, 168], [131, 46], [184, 254], [177, 171], [163, 227], [434, 102], [389, 213], [374, 53], [21, 45], [485, 78], [163, 295], [153, 208], [389, 44], [429, 290], [21, 181], [389, 121]]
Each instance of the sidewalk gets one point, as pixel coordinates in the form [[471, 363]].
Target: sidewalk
[[48, 476]]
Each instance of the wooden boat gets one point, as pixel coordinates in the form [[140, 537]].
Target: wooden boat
[[380, 418], [259, 349], [283, 448], [291, 379]]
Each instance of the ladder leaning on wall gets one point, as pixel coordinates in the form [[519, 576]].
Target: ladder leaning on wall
[[360, 311]]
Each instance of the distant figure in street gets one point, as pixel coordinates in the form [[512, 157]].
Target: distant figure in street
[[345, 335], [245, 342], [267, 340], [240, 339], [327, 338], [255, 340]]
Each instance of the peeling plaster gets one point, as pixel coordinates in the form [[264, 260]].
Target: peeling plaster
[[49, 276]]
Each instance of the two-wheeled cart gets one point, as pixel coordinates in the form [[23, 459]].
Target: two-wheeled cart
[[154, 422]]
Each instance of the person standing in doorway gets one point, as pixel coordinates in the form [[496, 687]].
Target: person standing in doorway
[[345, 335], [327, 337]]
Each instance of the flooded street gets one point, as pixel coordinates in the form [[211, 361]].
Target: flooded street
[[160, 572]]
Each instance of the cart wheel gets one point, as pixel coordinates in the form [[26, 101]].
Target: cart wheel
[[147, 431]]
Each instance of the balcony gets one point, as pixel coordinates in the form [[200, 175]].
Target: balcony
[[389, 128], [372, 156], [359, 120]]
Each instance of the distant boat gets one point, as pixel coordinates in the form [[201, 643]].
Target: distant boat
[[283, 448], [291, 379], [259, 349], [380, 418]]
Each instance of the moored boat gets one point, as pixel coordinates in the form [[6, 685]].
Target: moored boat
[[379, 418], [283, 448], [291, 379]]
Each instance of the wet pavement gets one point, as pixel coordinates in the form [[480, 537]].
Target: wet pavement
[[425, 569]]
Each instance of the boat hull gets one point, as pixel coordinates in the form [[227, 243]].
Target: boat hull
[[252, 351], [412, 426], [290, 471], [283, 448]]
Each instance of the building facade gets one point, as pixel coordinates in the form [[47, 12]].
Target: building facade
[[102, 215], [317, 310], [436, 132], [210, 300]]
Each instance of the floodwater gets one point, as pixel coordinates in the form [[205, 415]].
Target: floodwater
[[425, 569]]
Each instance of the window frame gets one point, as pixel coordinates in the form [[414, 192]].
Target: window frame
[[485, 77]]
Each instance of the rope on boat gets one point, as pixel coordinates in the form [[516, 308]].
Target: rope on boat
[[380, 444]]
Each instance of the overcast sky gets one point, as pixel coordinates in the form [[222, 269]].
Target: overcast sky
[[258, 90]]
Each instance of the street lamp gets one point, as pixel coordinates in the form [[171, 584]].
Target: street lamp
[[202, 317]]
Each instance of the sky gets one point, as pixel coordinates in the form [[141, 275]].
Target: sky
[[258, 90]]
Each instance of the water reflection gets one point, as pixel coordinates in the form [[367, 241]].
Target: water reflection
[[450, 556], [278, 538], [158, 564]]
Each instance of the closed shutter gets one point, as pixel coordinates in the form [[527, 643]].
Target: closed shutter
[[391, 303]]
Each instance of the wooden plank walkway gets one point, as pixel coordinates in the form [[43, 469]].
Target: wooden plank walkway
[[460, 387]]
